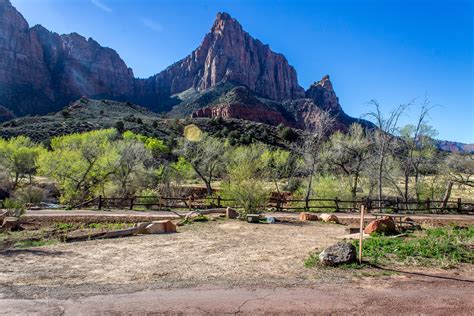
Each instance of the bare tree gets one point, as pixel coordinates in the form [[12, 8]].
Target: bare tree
[[383, 138], [415, 148], [311, 149], [460, 170]]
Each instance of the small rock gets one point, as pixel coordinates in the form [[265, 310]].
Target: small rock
[[338, 254], [329, 218], [231, 213], [407, 219], [305, 216], [384, 225]]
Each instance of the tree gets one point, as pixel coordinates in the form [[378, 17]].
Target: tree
[[130, 169], [277, 164], [348, 154], [206, 156], [312, 146], [18, 156], [460, 170], [383, 137], [415, 148], [245, 182], [80, 163]]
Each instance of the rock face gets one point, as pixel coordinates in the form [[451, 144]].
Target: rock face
[[338, 254], [240, 103], [228, 53], [41, 71]]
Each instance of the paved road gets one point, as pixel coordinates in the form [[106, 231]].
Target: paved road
[[380, 296]]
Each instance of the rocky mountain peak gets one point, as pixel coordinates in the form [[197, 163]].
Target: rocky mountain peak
[[323, 95], [228, 53]]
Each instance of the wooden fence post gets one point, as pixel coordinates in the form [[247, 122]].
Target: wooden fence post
[[428, 204], [218, 201], [361, 233], [336, 201], [398, 204], [190, 202], [100, 202], [131, 203], [459, 205]]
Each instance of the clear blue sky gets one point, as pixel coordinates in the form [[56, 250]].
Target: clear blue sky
[[391, 51]]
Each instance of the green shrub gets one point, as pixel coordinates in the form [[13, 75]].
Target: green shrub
[[148, 196], [288, 134], [29, 194], [14, 207], [249, 194]]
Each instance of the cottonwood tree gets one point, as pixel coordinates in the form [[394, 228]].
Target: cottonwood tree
[[278, 164], [348, 154], [18, 157], [206, 156], [80, 163], [383, 138], [130, 170], [415, 148], [460, 170], [310, 150]]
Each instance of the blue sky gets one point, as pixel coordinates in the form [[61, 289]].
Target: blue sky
[[391, 51]]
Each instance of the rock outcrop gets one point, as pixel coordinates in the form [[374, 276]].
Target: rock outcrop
[[322, 93]]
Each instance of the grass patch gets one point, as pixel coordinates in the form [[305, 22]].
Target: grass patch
[[35, 243], [311, 261], [444, 246]]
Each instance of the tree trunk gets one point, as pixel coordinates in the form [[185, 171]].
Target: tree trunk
[[208, 187], [447, 194]]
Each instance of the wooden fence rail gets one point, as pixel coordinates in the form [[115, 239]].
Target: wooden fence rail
[[285, 205]]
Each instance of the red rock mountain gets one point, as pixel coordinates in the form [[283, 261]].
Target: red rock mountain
[[228, 53], [42, 71]]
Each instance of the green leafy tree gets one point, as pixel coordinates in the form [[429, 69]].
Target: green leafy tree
[[348, 154], [80, 163], [206, 156], [18, 157]]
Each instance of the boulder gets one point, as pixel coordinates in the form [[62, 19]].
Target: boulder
[[329, 218], [384, 225], [159, 227], [231, 213], [338, 254], [304, 216]]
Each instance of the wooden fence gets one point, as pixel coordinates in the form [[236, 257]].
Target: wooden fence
[[393, 205]]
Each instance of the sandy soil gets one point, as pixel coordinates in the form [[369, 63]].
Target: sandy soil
[[216, 267]]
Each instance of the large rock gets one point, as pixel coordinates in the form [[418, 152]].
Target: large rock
[[329, 218], [384, 225], [231, 213], [159, 227], [305, 216], [338, 254]]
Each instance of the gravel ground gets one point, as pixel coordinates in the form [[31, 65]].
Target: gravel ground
[[223, 266], [222, 252]]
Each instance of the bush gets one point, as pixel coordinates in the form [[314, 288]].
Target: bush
[[29, 194], [14, 207], [288, 134], [249, 194], [149, 196]]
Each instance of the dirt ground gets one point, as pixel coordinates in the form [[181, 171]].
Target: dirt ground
[[224, 266]]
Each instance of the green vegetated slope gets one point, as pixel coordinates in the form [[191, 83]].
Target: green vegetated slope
[[87, 114]]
